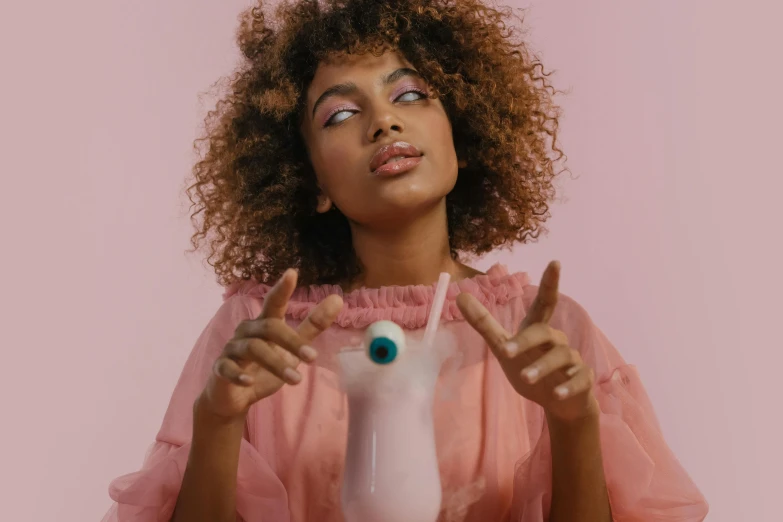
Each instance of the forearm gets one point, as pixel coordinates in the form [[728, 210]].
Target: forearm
[[209, 484], [578, 485]]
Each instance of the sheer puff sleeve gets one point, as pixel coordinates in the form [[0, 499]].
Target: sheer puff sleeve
[[150, 494], [644, 478]]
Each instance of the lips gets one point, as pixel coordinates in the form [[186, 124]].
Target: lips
[[393, 153]]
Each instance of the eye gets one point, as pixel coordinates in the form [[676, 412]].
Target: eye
[[385, 342], [339, 116], [383, 350], [411, 95]]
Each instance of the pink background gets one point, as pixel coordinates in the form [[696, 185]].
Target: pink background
[[667, 236]]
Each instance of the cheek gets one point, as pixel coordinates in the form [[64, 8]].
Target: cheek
[[332, 164], [443, 141]]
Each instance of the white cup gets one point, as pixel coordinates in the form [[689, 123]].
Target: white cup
[[391, 466]]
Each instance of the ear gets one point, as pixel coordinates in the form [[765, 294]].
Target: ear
[[324, 204]]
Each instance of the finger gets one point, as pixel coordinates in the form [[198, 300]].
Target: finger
[[278, 332], [538, 335], [320, 318], [580, 383], [544, 304], [559, 357], [482, 321], [266, 356], [229, 370], [276, 300]]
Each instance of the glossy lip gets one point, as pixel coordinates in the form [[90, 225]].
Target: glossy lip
[[398, 167], [398, 148]]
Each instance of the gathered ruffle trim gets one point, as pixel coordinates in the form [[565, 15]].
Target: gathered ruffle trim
[[407, 306]]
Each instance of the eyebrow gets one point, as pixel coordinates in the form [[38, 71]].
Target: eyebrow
[[344, 89]]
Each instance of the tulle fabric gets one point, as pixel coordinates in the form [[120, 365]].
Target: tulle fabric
[[644, 479], [151, 493], [407, 306], [493, 446]]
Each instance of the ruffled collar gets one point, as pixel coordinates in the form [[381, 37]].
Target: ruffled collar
[[407, 306]]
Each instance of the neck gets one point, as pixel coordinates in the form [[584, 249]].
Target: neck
[[414, 254]]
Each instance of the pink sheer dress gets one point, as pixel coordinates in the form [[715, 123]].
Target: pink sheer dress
[[493, 445]]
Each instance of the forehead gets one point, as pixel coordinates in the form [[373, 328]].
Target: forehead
[[361, 69]]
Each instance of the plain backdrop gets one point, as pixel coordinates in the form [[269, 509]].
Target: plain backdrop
[[668, 231]]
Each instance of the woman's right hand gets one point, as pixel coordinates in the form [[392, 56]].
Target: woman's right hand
[[264, 353]]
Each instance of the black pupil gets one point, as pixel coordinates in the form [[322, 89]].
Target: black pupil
[[382, 352]]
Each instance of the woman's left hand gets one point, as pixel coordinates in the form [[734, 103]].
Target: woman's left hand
[[538, 361]]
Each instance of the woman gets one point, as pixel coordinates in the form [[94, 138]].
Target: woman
[[371, 146]]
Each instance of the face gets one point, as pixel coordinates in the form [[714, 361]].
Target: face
[[381, 149]]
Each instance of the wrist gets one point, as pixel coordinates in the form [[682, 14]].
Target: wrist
[[587, 417], [204, 417]]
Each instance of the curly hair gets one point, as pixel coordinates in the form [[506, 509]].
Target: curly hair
[[254, 190]]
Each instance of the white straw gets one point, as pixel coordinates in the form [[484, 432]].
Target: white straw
[[437, 309]]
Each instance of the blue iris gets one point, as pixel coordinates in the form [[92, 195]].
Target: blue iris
[[383, 350]]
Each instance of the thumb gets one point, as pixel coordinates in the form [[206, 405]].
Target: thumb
[[320, 318], [487, 326]]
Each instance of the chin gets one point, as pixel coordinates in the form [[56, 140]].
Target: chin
[[397, 211], [401, 199], [403, 193]]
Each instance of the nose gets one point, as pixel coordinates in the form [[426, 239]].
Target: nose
[[383, 123]]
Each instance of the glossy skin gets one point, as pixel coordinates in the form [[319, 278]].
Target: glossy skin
[[400, 236], [345, 130]]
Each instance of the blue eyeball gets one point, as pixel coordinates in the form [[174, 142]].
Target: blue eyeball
[[385, 342], [383, 350]]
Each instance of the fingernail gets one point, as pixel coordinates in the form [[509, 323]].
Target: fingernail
[[291, 375], [561, 392], [308, 353], [572, 371], [511, 349], [245, 378], [530, 374]]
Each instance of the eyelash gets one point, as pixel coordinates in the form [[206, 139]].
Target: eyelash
[[338, 110]]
